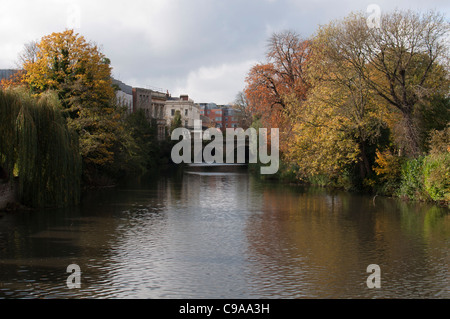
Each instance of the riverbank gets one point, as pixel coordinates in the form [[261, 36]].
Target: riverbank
[[425, 179]]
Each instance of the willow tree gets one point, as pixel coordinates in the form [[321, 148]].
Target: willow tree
[[38, 149]]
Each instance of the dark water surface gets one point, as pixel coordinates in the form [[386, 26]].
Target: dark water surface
[[205, 234]]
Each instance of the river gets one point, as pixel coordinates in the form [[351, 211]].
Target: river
[[207, 234]]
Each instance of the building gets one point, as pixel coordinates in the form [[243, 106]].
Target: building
[[221, 116], [230, 118], [188, 110], [213, 113], [124, 95], [153, 105]]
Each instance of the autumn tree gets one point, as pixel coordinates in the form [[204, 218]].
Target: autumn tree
[[402, 61], [14, 81], [76, 69], [81, 76], [342, 119], [283, 74]]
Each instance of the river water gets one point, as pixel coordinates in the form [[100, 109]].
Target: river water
[[207, 234]]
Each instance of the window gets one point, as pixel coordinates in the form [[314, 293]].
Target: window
[[173, 112], [185, 123], [218, 119], [186, 112]]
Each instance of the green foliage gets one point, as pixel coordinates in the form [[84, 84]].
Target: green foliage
[[427, 178], [39, 149], [412, 181], [319, 180], [107, 147], [434, 115], [145, 136], [436, 174], [176, 122]]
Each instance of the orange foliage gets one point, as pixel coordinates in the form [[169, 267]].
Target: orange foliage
[[15, 80], [270, 85]]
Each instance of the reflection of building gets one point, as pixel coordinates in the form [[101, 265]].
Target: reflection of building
[[153, 105], [188, 110], [221, 116], [124, 95]]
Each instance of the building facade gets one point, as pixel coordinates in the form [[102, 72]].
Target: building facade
[[220, 116], [124, 95], [188, 110], [153, 105]]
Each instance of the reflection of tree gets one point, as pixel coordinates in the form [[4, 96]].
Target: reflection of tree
[[320, 244]]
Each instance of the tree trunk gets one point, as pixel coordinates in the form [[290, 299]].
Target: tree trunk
[[364, 165], [412, 147]]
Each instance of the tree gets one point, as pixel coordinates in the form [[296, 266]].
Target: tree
[[401, 61], [29, 53], [176, 121], [271, 83], [145, 134], [81, 75], [244, 113], [39, 149], [66, 63], [340, 108]]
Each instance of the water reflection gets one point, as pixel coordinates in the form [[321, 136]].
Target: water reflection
[[225, 234]]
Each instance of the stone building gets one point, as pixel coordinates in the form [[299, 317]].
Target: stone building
[[153, 105], [188, 110]]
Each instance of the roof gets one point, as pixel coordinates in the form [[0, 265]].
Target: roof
[[123, 87]]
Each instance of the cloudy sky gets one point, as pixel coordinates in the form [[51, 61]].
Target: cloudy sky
[[203, 48]]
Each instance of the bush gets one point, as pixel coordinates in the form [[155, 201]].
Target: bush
[[436, 174], [388, 171], [439, 141], [412, 180], [426, 178]]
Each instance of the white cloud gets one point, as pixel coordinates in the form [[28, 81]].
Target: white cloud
[[214, 84], [192, 47]]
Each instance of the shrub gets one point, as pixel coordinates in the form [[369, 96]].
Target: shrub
[[412, 180], [436, 174], [439, 141], [389, 171]]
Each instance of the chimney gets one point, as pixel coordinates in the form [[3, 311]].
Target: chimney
[[184, 97]]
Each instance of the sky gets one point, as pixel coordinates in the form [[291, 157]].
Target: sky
[[203, 48]]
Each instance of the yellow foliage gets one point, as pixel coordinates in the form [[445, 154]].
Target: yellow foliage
[[389, 165], [76, 69]]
